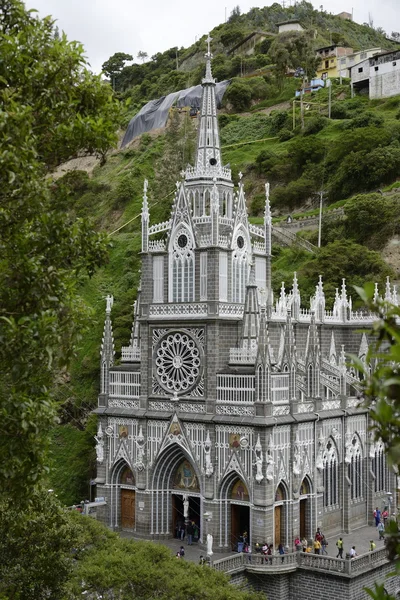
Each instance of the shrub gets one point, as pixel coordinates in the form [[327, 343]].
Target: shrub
[[315, 124], [366, 119], [372, 214], [239, 95], [279, 120], [285, 135], [259, 88]]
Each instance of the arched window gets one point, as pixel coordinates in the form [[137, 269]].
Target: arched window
[[310, 381], [104, 378], [240, 267], [355, 469], [330, 476], [379, 468], [260, 383], [182, 267]]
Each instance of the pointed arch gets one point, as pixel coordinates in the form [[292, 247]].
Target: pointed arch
[[355, 468], [240, 263], [228, 482], [379, 468], [281, 491], [331, 474], [306, 486], [181, 265]]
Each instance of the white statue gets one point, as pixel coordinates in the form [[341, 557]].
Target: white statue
[[270, 460], [140, 450], [321, 448], [349, 449], [99, 445], [297, 457], [259, 460], [207, 455], [209, 544], [185, 506], [109, 303]]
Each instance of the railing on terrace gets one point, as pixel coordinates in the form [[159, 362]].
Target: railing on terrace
[[243, 561], [130, 354]]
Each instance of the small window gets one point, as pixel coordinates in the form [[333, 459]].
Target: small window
[[376, 68], [332, 61], [360, 70], [394, 63], [327, 64]]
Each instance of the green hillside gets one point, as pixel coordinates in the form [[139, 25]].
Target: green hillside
[[349, 157]]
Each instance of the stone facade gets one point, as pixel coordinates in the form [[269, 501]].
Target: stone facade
[[226, 402]]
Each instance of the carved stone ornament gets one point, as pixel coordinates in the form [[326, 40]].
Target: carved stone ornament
[[99, 445], [297, 462], [209, 469], [258, 460]]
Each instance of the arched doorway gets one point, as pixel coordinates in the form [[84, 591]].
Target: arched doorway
[[280, 516], [186, 505], [305, 509], [128, 499], [240, 514], [175, 478]]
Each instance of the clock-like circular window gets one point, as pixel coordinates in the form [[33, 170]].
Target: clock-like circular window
[[178, 362], [182, 241], [240, 241]]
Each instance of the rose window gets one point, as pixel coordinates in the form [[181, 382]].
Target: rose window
[[178, 362]]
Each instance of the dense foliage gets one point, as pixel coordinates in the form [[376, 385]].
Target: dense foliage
[[51, 109]]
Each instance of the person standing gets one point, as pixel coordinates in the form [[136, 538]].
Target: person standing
[[304, 544], [353, 552], [189, 531], [339, 545], [372, 545], [324, 544], [317, 546], [281, 551], [381, 531], [377, 516]]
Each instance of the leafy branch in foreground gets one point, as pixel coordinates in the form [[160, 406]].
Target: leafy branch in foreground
[[381, 375]]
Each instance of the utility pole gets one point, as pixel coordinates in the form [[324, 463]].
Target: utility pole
[[176, 55], [321, 197], [329, 84]]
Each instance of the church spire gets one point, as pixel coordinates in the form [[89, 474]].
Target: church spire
[[251, 314], [208, 155], [107, 348]]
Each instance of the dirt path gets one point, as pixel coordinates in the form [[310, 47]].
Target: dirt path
[[266, 111]]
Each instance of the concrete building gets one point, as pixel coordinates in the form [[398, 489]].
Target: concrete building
[[291, 25], [350, 60], [379, 76], [346, 16], [330, 60], [229, 408]]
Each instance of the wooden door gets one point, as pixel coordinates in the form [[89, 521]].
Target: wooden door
[[278, 522], [303, 505], [127, 509]]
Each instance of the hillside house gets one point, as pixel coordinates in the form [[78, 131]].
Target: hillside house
[[348, 61], [346, 16], [330, 60], [379, 76], [291, 25]]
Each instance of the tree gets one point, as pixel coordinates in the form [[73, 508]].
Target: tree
[[113, 66], [51, 109], [292, 50], [381, 381], [239, 95], [142, 55]]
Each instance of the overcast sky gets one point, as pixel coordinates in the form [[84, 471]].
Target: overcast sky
[[108, 26]]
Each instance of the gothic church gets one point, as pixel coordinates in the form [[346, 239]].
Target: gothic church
[[227, 406]]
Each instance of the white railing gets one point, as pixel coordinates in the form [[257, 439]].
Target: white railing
[[258, 231], [238, 410], [235, 389], [160, 227], [259, 247], [243, 355], [225, 221], [208, 171], [124, 384], [223, 241], [330, 404], [172, 311], [305, 407], [230, 310], [242, 562], [205, 240], [202, 220], [157, 246], [280, 410], [279, 387], [130, 354]]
